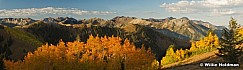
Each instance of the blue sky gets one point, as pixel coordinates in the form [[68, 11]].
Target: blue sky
[[217, 12]]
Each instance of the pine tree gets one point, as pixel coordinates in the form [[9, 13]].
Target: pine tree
[[228, 50]]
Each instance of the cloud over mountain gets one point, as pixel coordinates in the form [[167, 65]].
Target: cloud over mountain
[[213, 7], [49, 11]]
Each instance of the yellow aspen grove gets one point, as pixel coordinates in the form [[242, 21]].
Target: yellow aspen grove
[[206, 44], [105, 53]]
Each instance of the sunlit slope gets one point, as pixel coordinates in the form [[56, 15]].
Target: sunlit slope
[[193, 63]]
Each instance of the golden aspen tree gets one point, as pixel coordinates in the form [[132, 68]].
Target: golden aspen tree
[[182, 52], [206, 44], [178, 55], [169, 56], [193, 47], [155, 65]]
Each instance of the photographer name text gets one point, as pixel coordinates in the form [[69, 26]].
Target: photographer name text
[[219, 64]]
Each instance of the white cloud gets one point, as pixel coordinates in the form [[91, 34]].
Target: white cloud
[[214, 7], [220, 12], [50, 11]]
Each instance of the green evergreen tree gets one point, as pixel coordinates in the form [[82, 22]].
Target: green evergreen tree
[[228, 50]]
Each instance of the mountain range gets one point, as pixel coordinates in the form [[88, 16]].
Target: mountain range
[[156, 34]]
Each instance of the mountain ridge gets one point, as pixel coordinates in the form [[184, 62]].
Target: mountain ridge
[[157, 34]]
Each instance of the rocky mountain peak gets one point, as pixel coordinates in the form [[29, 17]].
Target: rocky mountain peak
[[94, 21], [62, 20], [173, 22], [154, 20], [185, 18], [17, 21], [122, 19], [68, 20], [140, 21], [49, 20]]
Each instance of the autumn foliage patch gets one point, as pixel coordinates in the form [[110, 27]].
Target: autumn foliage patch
[[96, 54]]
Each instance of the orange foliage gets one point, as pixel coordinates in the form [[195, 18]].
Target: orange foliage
[[97, 54]]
